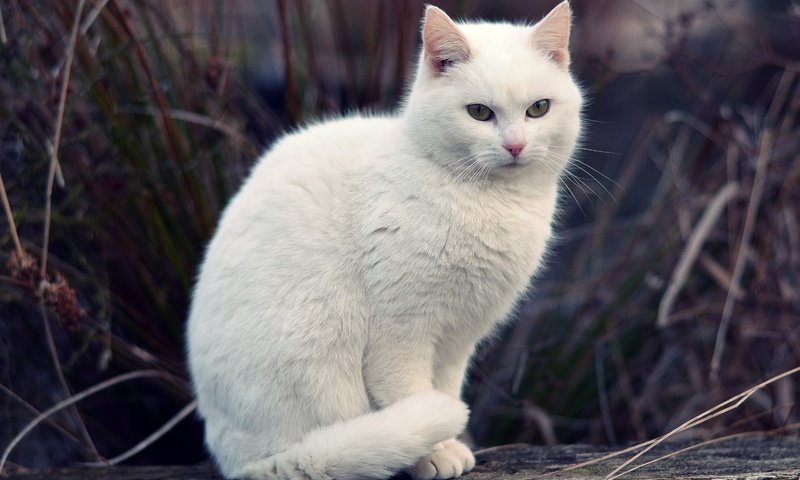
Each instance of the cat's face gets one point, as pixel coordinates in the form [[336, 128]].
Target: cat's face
[[496, 99]]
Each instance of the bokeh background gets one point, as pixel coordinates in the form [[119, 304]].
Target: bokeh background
[[675, 283]]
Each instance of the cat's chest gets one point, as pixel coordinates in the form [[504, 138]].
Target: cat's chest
[[490, 242], [477, 252]]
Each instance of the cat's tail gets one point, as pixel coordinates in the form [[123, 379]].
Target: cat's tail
[[373, 446]]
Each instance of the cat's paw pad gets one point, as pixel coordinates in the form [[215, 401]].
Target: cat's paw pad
[[449, 459]]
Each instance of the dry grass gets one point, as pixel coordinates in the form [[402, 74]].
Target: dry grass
[[152, 125]]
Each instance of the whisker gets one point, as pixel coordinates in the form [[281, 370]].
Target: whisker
[[580, 183], [552, 167], [577, 160], [591, 120], [467, 172], [478, 174], [598, 182], [597, 151], [581, 164], [470, 169], [463, 165], [577, 203], [586, 149]]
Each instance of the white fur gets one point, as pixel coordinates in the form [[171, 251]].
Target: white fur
[[351, 277]]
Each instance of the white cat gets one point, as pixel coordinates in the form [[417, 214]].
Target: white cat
[[351, 277]]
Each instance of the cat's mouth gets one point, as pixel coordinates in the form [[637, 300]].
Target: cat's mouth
[[515, 163]]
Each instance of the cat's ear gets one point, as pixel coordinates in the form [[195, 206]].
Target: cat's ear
[[443, 43], [551, 34]]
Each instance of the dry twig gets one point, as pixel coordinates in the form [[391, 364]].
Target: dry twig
[[3, 35], [48, 214], [71, 401], [10, 216], [720, 409], [762, 161], [62, 100], [713, 441], [696, 240], [33, 411], [183, 413]]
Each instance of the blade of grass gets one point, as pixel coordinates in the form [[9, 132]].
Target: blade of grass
[[31, 409], [183, 413], [713, 441], [764, 150], [689, 255], [92, 16], [292, 95], [3, 35], [720, 409], [170, 135], [47, 218], [51, 348], [697, 420], [342, 34], [62, 100], [10, 217], [762, 161], [191, 117], [73, 400], [313, 77]]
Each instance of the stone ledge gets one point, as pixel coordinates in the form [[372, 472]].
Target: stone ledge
[[744, 459]]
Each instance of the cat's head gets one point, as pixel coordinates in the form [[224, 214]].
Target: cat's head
[[495, 97]]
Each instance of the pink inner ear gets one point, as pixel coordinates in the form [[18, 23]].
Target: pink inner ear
[[444, 43], [551, 34]]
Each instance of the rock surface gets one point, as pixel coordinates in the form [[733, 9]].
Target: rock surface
[[745, 459]]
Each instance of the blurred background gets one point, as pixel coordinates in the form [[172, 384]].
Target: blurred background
[[675, 283]]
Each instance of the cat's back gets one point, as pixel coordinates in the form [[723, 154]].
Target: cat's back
[[293, 212], [305, 175], [341, 145]]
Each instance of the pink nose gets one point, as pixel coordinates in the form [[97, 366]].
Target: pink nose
[[514, 148]]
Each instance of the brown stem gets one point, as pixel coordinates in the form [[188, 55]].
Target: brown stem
[[48, 206], [10, 216], [762, 162], [48, 214], [51, 346], [125, 377], [292, 98]]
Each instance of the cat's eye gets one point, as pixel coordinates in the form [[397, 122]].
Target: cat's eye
[[480, 112], [539, 108]]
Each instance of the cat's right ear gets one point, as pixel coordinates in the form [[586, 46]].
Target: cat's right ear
[[551, 34], [443, 43]]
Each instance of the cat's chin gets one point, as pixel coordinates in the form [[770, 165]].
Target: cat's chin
[[514, 164]]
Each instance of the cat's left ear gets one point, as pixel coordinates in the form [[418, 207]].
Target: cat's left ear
[[443, 43], [551, 34]]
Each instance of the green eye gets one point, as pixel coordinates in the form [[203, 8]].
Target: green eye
[[538, 108], [480, 112]]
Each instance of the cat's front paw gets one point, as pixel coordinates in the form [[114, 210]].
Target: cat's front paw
[[449, 459]]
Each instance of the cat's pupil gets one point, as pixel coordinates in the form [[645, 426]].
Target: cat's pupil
[[539, 108], [480, 112]]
